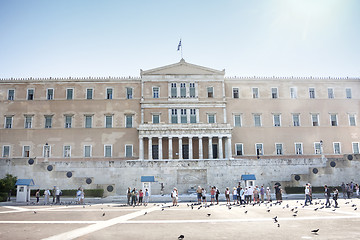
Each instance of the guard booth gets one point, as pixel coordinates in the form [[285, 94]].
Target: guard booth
[[146, 183], [23, 189], [249, 180]]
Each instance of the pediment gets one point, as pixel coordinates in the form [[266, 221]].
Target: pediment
[[182, 68]]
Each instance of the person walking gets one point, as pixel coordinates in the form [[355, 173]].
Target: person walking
[[227, 195], [242, 196], [82, 196], [235, 195], [199, 194], [141, 195], [343, 189], [46, 196], [262, 193], [357, 190], [133, 197], [348, 191], [335, 197], [53, 193], [58, 193], [217, 193], [37, 195], [128, 194], [307, 195], [212, 194], [174, 195], [203, 195], [147, 197], [251, 193], [238, 189], [327, 196], [268, 196], [78, 196]]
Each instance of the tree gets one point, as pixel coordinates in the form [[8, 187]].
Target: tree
[[8, 183]]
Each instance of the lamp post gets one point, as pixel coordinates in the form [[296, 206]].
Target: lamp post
[[322, 149]]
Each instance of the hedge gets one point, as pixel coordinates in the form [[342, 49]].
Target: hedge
[[3, 197], [72, 192], [298, 190]]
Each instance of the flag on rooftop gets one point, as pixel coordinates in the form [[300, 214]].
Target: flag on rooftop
[[179, 46]]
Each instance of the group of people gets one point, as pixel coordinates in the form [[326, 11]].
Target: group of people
[[348, 190], [240, 195], [135, 197], [55, 193]]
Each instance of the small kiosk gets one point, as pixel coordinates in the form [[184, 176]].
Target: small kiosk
[[249, 180], [146, 183], [23, 189]]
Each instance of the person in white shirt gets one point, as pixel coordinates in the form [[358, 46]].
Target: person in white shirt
[[307, 194], [174, 195]]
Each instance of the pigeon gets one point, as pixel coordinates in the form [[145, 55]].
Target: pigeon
[[355, 209], [181, 237], [334, 210], [192, 207], [208, 214], [315, 231], [103, 214], [315, 209], [199, 207], [245, 211], [292, 209], [145, 213], [296, 211], [278, 224], [354, 205], [275, 218], [229, 207], [294, 215], [34, 212], [162, 209], [268, 210], [347, 202]]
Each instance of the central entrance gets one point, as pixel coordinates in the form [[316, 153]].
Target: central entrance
[[185, 151]]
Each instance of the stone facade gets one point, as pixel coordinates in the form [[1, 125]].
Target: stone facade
[[114, 130]]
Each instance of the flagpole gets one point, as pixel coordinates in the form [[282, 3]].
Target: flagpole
[[181, 51]]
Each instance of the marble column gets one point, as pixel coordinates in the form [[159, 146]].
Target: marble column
[[170, 148], [180, 148], [190, 148], [150, 148], [229, 148], [141, 148], [221, 156], [201, 156], [160, 149], [210, 148]]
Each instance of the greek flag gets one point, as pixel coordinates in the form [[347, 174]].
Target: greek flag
[[179, 46]]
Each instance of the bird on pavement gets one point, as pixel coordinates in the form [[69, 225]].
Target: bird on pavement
[[181, 237], [294, 215], [103, 214], [208, 214], [315, 231]]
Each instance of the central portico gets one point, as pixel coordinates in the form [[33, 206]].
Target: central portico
[[183, 114]]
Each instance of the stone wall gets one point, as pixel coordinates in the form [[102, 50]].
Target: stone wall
[[183, 174]]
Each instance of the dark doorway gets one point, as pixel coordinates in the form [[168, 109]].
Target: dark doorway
[[215, 151], [155, 151], [185, 151]]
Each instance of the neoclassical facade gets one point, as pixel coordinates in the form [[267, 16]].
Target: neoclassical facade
[[179, 111]]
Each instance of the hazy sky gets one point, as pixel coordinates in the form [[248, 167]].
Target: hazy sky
[[118, 38]]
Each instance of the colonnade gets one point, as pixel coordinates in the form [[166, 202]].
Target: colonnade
[[221, 143]]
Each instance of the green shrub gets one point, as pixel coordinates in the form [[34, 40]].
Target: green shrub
[[8, 183], [299, 190], [3, 197]]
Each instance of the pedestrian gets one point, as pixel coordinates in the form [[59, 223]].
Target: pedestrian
[[37, 195], [212, 194], [203, 195], [251, 193], [246, 193], [262, 193], [54, 194], [234, 195], [174, 196], [335, 197], [348, 191], [268, 195], [133, 197], [9, 195], [147, 197], [307, 194], [82, 196], [217, 193], [238, 189], [58, 193], [327, 196], [278, 193], [242, 196], [141, 195], [343, 189], [256, 195], [352, 189], [128, 194], [46, 196], [199, 194], [357, 190], [78, 196], [227, 195]]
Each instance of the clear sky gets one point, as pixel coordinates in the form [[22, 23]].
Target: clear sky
[[82, 38]]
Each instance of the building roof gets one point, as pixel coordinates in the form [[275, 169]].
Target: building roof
[[147, 179], [248, 177], [182, 68], [26, 182]]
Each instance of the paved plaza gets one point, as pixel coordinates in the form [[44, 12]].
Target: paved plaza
[[162, 221]]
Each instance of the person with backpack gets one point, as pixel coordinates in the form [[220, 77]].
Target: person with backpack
[[327, 196]]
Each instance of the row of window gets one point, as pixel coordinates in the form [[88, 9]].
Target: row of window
[[239, 150], [279, 150], [68, 120], [314, 118], [180, 116], [181, 90], [293, 93], [108, 151]]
